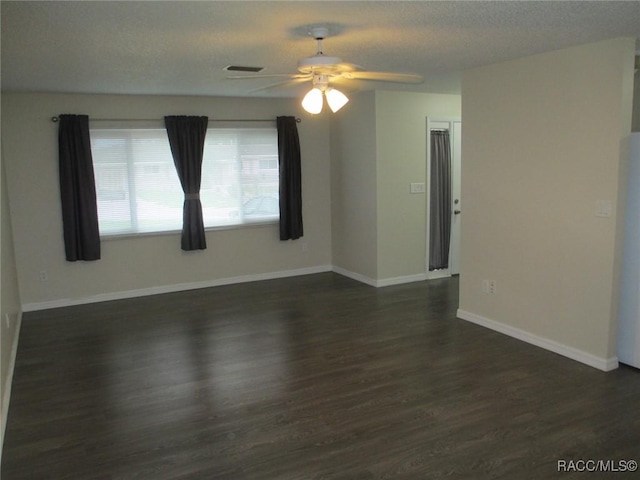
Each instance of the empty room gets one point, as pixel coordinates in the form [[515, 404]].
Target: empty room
[[320, 240]]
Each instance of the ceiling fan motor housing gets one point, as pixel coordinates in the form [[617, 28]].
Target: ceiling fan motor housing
[[322, 64]]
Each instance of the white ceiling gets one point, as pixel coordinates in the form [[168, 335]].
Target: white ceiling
[[180, 47]]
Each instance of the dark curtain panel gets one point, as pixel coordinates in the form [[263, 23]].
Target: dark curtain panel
[[290, 179], [77, 189], [440, 201], [186, 138]]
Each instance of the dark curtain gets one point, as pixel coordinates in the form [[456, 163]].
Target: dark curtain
[[77, 189], [186, 138], [290, 179], [440, 200]]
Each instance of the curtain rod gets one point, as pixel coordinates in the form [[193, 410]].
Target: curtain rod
[[55, 119]]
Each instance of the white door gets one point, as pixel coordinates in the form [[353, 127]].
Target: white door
[[454, 127], [456, 215]]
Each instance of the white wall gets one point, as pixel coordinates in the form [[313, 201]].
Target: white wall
[[635, 126], [150, 263], [401, 133], [353, 187], [9, 307], [543, 141], [378, 148], [629, 314]]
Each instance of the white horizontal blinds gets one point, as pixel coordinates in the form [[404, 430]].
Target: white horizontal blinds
[[219, 189], [240, 176], [138, 189], [259, 174], [109, 151], [159, 195], [137, 186]]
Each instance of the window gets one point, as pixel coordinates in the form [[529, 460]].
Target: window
[[138, 189]]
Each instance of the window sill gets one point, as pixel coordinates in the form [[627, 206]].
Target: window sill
[[122, 236]]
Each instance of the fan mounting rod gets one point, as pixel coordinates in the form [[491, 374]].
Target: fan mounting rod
[[319, 32], [319, 63]]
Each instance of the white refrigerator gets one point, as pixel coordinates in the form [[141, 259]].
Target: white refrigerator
[[629, 317]]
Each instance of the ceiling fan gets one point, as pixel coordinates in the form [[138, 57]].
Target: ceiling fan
[[322, 70]]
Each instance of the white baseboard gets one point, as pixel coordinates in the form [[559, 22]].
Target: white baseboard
[[6, 389], [604, 364], [385, 282], [143, 292], [436, 274], [355, 276]]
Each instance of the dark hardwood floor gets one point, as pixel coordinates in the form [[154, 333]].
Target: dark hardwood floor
[[315, 377]]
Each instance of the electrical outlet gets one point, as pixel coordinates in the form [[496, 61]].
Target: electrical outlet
[[7, 320], [44, 276], [305, 246], [489, 286]]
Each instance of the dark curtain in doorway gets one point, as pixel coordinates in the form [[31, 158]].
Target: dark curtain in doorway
[[440, 200], [290, 179], [77, 189], [186, 138]]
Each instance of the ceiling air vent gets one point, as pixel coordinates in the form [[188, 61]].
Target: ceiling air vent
[[240, 68]]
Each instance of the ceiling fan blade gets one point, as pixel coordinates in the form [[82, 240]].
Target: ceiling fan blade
[[283, 84], [344, 83], [384, 77], [349, 67]]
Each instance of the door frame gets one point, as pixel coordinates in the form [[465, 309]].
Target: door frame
[[431, 122]]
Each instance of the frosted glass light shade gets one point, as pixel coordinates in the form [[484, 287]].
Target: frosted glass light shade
[[336, 99], [312, 101]]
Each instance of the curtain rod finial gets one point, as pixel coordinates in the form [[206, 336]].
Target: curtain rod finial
[[54, 119]]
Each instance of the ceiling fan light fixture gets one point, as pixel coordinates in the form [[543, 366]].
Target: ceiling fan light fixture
[[312, 101], [336, 99]]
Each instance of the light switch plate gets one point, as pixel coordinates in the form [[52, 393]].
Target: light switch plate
[[604, 208], [417, 188]]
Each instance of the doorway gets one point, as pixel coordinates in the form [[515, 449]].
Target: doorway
[[453, 126]]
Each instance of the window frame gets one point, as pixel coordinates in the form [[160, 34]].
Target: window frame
[[131, 183]]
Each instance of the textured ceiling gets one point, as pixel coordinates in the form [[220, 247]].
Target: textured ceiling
[[180, 47]]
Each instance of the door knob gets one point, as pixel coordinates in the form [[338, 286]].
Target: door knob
[[456, 212]]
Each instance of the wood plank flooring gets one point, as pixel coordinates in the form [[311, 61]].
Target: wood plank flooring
[[314, 377]]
